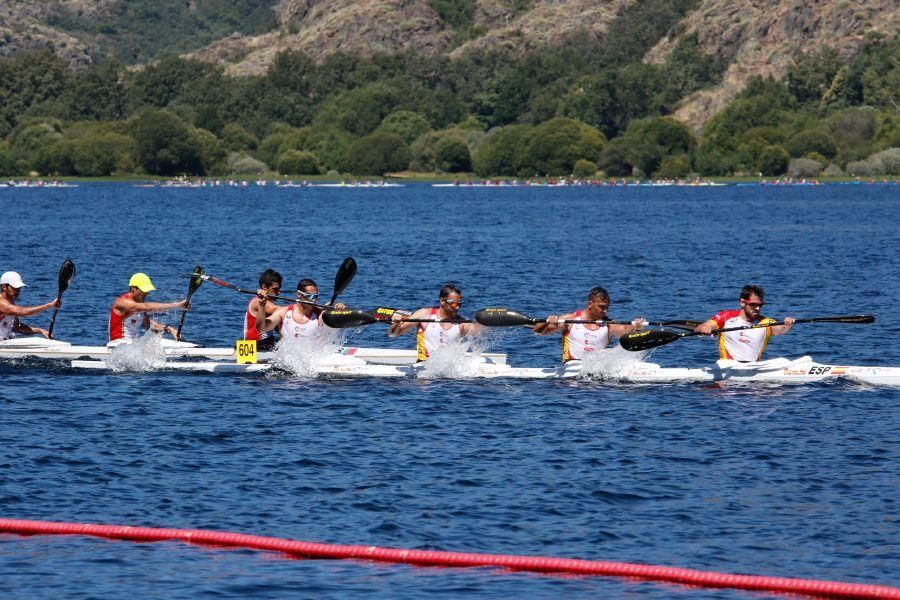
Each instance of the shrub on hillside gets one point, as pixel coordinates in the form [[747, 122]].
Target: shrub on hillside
[[804, 168], [674, 167], [833, 170], [773, 160], [584, 169], [377, 154], [242, 164], [299, 162]]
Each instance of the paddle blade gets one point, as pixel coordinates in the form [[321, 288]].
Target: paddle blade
[[858, 319], [66, 274], [344, 276], [196, 280], [342, 319], [646, 340], [501, 317]]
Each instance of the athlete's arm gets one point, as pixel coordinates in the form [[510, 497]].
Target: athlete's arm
[[399, 327], [618, 329], [552, 325], [7, 308], [707, 327], [127, 305], [782, 329], [270, 316]]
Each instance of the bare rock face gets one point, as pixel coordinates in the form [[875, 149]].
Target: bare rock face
[[546, 22], [23, 29], [322, 27], [764, 37]]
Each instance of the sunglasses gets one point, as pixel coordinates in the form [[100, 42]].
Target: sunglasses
[[312, 297], [453, 302], [754, 304]]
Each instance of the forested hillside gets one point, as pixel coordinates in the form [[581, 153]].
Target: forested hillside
[[492, 87]]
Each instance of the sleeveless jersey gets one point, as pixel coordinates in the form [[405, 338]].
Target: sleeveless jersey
[[578, 339], [431, 336], [7, 323], [746, 345], [291, 328], [266, 340], [128, 326]]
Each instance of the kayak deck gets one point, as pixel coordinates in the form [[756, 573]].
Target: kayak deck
[[777, 371]]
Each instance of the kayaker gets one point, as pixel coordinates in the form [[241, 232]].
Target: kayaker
[[298, 320], [745, 345], [580, 338], [11, 285], [269, 285], [128, 315], [432, 336]]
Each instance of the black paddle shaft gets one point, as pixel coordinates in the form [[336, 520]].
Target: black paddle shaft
[[66, 274]]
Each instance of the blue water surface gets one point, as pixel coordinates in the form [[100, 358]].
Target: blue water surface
[[797, 481]]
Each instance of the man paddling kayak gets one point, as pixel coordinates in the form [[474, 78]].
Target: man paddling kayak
[[11, 285], [269, 285], [580, 338], [298, 320], [128, 315], [433, 335], [745, 345]]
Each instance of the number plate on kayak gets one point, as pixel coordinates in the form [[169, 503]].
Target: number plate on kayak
[[246, 351]]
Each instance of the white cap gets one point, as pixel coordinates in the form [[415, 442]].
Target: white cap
[[13, 279]]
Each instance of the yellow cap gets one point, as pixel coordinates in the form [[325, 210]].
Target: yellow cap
[[141, 282]]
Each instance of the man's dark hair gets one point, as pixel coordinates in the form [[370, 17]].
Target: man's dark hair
[[448, 289], [598, 291], [306, 283], [268, 277], [752, 290]]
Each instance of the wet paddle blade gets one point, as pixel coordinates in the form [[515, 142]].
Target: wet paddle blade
[[343, 319], [196, 280], [344, 276], [501, 317], [66, 274], [646, 340]]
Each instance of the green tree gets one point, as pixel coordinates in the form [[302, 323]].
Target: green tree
[[584, 169], [812, 75], [377, 154], [773, 160], [359, 111], [27, 81], [98, 93], [408, 125], [502, 152], [647, 142], [452, 156], [99, 154], [812, 140], [33, 135], [165, 145], [299, 162], [238, 139], [554, 146]]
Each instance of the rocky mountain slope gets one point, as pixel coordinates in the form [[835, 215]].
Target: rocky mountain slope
[[753, 37]]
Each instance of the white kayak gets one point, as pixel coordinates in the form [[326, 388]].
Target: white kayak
[[777, 371], [38, 347]]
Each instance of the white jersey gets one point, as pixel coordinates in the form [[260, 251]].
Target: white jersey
[[578, 339], [431, 336], [291, 328], [7, 323]]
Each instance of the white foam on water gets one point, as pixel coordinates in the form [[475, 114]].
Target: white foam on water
[[302, 355], [610, 363], [143, 354], [457, 360]]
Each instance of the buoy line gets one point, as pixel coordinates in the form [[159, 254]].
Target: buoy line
[[434, 558]]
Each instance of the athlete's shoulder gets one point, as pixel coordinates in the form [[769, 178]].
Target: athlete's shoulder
[[723, 315]]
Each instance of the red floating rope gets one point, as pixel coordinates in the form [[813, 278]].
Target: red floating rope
[[831, 589]]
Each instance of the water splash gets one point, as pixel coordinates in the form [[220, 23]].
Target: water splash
[[611, 363], [143, 354], [302, 355], [458, 359]]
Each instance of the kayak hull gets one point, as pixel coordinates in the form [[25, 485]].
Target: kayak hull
[[776, 371]]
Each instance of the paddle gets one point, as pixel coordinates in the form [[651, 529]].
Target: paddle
[[196, 280], [66, 273], [502, 317], [343, 277], [645, 340], [341, 280], [344, 319]]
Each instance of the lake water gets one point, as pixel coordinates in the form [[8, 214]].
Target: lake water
[[797, 481]]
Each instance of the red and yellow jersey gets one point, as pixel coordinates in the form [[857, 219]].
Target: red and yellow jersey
[[431, 336], [746, 345], [126, 326], [578, 339]]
